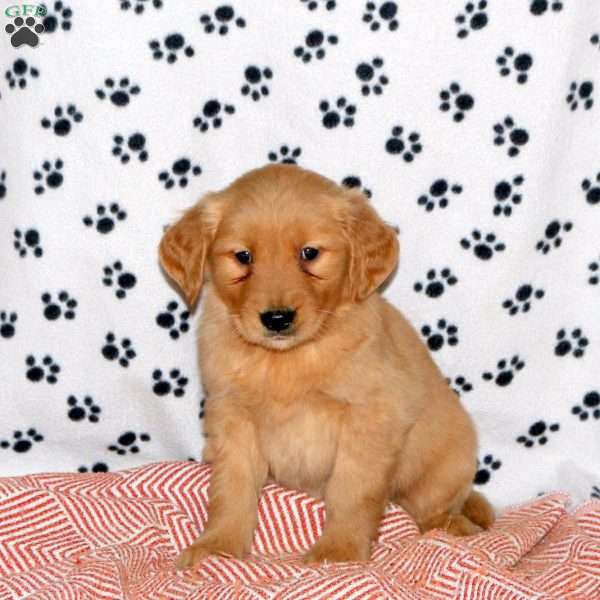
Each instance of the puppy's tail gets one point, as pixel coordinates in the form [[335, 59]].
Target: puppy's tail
[[478, 510]]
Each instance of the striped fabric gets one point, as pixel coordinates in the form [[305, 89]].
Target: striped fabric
[[115, 535]]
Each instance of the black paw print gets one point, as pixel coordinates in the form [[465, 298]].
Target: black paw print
[[521, 63], [98, 467], [105, 220], [119, 94], [517, 136], [539, 7], [580, 93], [24, 31], [483, 246], [128, 442], [111, 351], [589, 406], [65, 306], [213, 113], [2, 185], [285, 155], [506, 370], [397, 145], [174, 382], [140, 5], [80, 411], [123, 280], [136, 143], [225, 18], [315, 45], [7, 324], [538, 432], [172, 45], [202, 405], [439, 194], [595, 493], [384, 14], [354, 182], [473, 18], [444, 333], [255, 85], [485, 468], [181, 170], [60, 18], [176, 324], [435, 284], [22, 442], [28, 241], [573, 343], [524, 296], [594, 268], [459, 102], [370, 78], [50, 175], [595, 40], [591, 188], [64, 120], [552, 237], [48, 369], [17, 75], [314, 4], [507, 196], [460, 385], [335, 113]]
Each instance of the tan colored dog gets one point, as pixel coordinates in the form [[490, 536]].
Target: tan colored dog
[[313, 380]]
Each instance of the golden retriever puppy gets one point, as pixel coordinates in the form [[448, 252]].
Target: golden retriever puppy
[[313, 380]]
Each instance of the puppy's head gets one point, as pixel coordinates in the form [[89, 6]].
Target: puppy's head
[[284, 249]]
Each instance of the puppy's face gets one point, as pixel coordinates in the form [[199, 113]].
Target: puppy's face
[[284, 249]]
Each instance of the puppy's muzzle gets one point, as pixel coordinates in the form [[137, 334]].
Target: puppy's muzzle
[[278, 320]]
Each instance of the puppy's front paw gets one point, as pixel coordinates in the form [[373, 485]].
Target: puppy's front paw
[[331, 549], [204, 547]]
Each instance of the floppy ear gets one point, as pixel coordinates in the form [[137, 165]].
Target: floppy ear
[[184, 247], [374, 247]]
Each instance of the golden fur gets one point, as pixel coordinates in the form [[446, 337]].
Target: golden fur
[[347, 404]]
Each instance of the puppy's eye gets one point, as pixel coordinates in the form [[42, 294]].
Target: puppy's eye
[[309, 253], [243, 257]]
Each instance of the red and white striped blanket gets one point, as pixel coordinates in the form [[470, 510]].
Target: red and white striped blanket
[[116, 535]]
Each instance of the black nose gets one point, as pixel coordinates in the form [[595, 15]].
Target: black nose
[[277, 320]]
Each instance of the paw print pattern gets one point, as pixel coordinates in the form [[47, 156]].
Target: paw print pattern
[[175, 323], [123, 281], [222, 20], [24, 31], [522, 300], [473, 18], [459, 102], [63, 120], [483, 246], [64, 307], [29, 241], [506, 370], [140, 5], [174, 382], [61, 17], [17, 75], [552, 235], [594, 269], [354, 182], [213, 113], [383, 15], [129, 442], [485, 469], [118, 93], [2, 185], [98, 467], [439, 194], [506, 194], [286, 155], [50, 176], [315, 45], [80, 411], [506, 133], [538, 433], [591, 187], [7, 324], [48, 369], [521, 63], [539, 7], [256, 82], [460, 385], [573, 343], [334, 114], [136, 144], [123, 353], [397, 144], [435, 285], [202, 405], [580, 94], [595, 40], [590, 406], [444, 333], [314, 4], [371, 79], [180, 172], [171, 47], [22, 442], [105, 220]]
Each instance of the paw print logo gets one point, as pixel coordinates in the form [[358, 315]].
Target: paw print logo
[[175, 323], [594, 269], [485, 469], [256, 82], [595, 40], [506, 133], [136, 144], [506, 370], [63, 120], [80, 411], [539, 7], [223, 19], [22, 442], [50, 175], [286, 155], [123, 353], [354, 182], [180, 172], [24, 31], [552, 235], [213, 113], [397, 144], [17, 75], [118, 93], [105, 220], [580, 94], [439, 194], [128, 442], [383, 15], [335, 113], [538, 433], [483, 246], [473, 18], [507, 195], [315, 45], [61, 17], [371, 79], [460, 385], [459, 102], [522, 300], [589, 406], [314, 4], [436, 284], [443, 333], [29, 241], [591, 187], [98, 467], [116, 275], [573, 343], [64, 306], [2, 185], [140, 5], [521, 63], [172, 46], [174, 382], [7, 324], [48, 369]]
